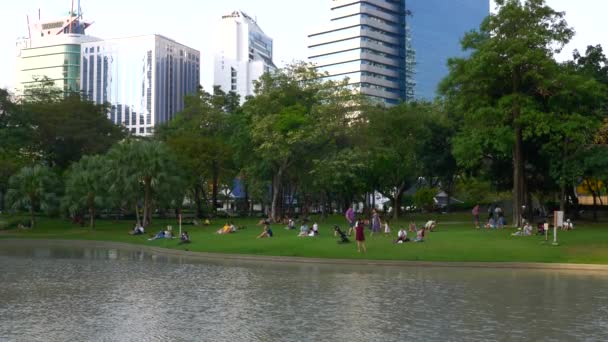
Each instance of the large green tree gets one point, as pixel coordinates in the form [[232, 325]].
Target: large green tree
[[62, 130], [33, 187], [144, 170], [200, 138], [293, 117], [499, 84]]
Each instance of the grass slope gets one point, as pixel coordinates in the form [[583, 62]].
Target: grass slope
[[455, 240]]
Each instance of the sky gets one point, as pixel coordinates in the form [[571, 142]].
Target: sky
[[192, 22]]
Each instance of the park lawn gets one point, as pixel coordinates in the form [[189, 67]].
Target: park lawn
[[454, 240]]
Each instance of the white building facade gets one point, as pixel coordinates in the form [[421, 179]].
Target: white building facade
[[51, 52], [243, 54], [143, 79]]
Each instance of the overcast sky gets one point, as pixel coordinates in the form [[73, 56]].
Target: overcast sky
[[192, 23]]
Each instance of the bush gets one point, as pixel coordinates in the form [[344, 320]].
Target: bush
[[425, 198]]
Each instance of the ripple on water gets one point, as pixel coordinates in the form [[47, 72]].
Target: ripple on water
[[78, 294]]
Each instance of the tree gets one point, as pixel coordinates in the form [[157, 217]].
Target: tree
[[293, 116], [143, 169], [33, 187], [62, 130], [498, 85], [395, 139], [200, 138], [86, 186]]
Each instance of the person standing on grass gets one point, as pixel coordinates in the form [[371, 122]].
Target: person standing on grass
[[360, 235], [475, 213], [375, 222], [387, 228], [350, 219]]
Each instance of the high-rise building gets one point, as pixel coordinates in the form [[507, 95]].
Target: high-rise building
[[243, 54], [51, 52], [394, 50], [144, 79]]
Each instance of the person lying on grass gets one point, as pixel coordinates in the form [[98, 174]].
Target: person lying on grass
[[226, 229], [163, 234]]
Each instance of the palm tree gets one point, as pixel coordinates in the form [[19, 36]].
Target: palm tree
[[32, 187], [86, 185], [143, 169]]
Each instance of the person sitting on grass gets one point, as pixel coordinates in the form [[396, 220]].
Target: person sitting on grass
[[540, 228], [491, 224], [185, 238], [267, 232], [303, 229], [527, 229], [420, 235], [137, 230], [430, 225], [226, 229], [338, 232], [412, 227], [501, 222], [402, 236], [207, 222], [314, 231], [568, 225], [291, 224]]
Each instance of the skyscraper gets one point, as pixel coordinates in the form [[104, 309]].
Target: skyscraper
[[144, 79], [243, 54], [394, 50], [51, 52]]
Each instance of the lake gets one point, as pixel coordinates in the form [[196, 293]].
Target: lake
[[71, 293]]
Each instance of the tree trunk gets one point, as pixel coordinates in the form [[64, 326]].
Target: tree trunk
[[137, 214], [147, 198], [518, 173], [594, 206], [91, 217], [1, 200], [32, 215], [214, 185], [276, 191], [562, 197], [197, 201], [397, 201]]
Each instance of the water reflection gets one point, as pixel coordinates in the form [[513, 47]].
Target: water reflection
[[70, 293]]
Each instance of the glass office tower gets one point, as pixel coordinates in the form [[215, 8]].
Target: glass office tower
[[394, 50], [144, 79], [51, 52]]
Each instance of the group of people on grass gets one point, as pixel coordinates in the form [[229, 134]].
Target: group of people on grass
[[496, 217], [138, 229], [496, 220]]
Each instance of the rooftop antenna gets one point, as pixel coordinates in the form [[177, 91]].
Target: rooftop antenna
[[71, 17], [29, 31], [79, 17]]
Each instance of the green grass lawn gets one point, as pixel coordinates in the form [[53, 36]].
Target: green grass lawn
[[454, 240]]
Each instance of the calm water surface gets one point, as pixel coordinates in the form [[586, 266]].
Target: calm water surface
[[98, 294]]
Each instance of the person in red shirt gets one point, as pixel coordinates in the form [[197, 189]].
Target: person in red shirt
[[360, 235]]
